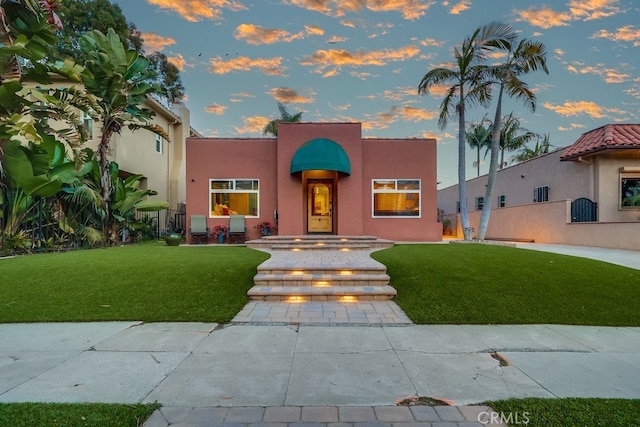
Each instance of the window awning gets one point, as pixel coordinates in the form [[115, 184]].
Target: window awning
[[320, 154]]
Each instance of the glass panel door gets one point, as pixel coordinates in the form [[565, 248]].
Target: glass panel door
[[319, 207]]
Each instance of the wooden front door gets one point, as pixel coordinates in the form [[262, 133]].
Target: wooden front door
[[319, 206]]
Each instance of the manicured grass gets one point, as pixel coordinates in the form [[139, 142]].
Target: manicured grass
[[72, 415], [149, 282], [491, 284], [570, 412]]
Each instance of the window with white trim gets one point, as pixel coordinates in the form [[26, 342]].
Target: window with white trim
[[502, 201], [396, 198], [158, 144], [541, 194], [479, 203], [629, 191], [234, 197]]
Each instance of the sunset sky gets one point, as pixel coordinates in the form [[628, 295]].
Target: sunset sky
[[362, 60]]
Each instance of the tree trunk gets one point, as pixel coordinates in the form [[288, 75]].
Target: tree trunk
[[493, 169], [462, 179]]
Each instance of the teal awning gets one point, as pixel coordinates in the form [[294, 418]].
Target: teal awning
[[321, 154]]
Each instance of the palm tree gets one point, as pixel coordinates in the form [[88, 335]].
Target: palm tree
[[469, 86], [272, 127], [527, 153], [512, 137], [118, 78], [479, 137], [522, 58]]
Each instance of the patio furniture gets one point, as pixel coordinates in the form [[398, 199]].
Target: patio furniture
[[237, 229], [198, 229]]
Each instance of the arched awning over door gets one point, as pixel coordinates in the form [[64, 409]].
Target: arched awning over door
[[320, 154]]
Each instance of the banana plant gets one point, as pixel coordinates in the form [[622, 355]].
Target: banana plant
[[119, 79]]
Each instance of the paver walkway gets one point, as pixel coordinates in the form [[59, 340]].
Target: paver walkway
[[317, 416]]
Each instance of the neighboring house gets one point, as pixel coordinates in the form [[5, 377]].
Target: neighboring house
[[319, 178], [160, 162], [584, 194]]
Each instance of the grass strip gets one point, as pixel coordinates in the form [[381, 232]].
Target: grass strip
[[569, 412], [74, 414]]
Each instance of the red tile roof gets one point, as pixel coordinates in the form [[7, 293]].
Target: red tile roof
[[607, 137]]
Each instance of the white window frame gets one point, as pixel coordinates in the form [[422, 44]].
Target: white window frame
[[479, 203], [395, 190], [159, 144], [233, 190]]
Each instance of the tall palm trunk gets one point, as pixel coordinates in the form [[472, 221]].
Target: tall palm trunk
[[493, 168], [462, 163]]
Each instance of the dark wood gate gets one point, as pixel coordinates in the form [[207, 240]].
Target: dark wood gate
[[584, 210]]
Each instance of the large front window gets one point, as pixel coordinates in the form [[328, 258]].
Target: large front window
[[396, 198], [234, 197]]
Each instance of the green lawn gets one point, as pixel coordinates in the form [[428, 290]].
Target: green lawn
[[491, 284], [470, 283], [570, 412], [149, 282], [72, 415]]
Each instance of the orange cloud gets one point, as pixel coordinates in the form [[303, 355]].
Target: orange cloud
[[410, 9], [543, 17], [253, 124], [336, 39], [257, 35], [313, 30], [588, 10], [287, 95], [323, 59], [460, 7], [349, 24], [272, 66], [216, 109], [154, 42], [626, 34], [582, 10], [609, 75], [178, 61], [237, 97], [197, 10], [430, 42], [571, 126], [575, 108]]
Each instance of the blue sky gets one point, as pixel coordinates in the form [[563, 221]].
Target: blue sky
[[362, 60]]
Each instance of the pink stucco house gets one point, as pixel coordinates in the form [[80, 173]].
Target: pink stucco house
[[317, 178]]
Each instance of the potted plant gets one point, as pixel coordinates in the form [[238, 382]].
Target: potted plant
[[172, 237], [221, 232], [265, 228]]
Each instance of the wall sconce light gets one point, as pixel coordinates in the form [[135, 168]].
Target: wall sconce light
[[522, 176], [193, 180]]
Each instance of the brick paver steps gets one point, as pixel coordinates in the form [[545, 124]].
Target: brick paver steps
[[321, 268]]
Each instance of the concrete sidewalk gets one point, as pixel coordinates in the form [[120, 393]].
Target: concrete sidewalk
[[203, 365]]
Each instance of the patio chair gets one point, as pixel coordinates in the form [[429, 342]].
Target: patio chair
[[237, 229], [199, 229]]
